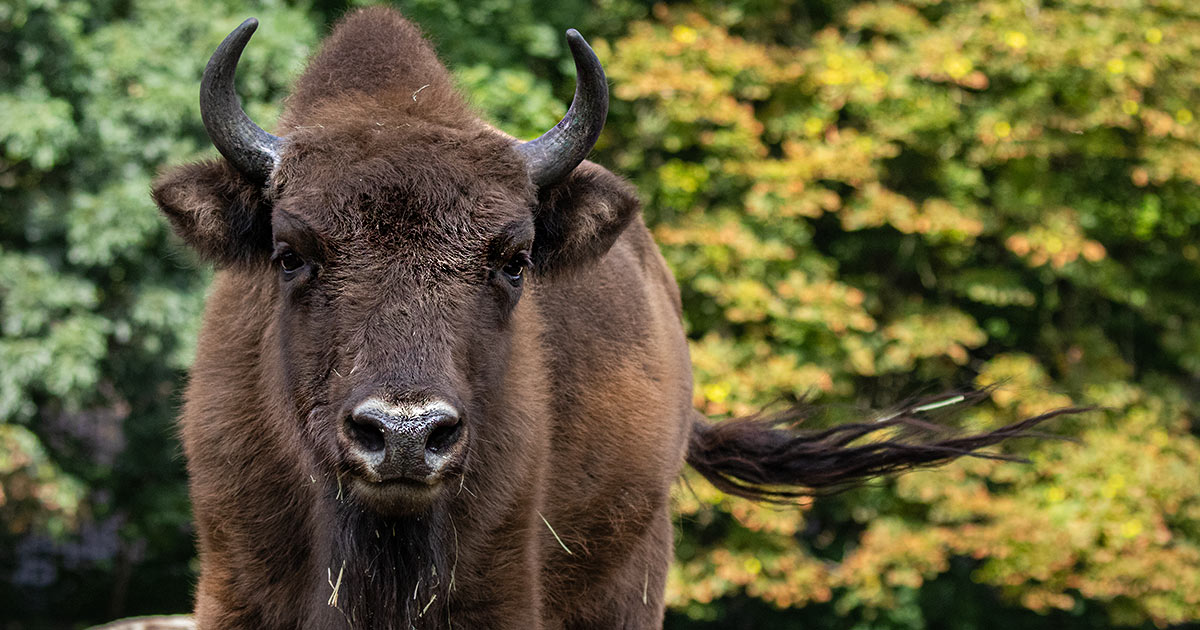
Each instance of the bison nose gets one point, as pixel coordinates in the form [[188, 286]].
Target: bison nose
[[413, 442]]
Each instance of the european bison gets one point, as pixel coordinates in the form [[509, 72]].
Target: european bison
[[442, 380]]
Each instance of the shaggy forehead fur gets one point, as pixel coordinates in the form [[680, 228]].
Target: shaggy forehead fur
[[377, 59], [379, 143]]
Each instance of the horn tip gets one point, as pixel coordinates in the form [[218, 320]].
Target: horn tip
[[249, 24], [579, 46], [574, 38]]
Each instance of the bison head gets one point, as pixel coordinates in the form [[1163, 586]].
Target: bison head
[[391, 245]]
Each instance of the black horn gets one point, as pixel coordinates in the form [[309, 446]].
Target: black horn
[[553, 155], [251, 150]]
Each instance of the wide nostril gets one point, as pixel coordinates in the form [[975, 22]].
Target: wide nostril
[[366, 432], [387, 441], [445, 433]]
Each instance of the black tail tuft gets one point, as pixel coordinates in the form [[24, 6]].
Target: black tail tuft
[[754, 457]]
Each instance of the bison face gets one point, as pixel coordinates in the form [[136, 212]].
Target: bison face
[[399, 302], [401, 338]]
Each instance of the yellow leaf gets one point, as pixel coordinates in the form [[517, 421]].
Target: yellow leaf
[[684, 34]]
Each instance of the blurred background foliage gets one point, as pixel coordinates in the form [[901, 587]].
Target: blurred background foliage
[[863, 201]]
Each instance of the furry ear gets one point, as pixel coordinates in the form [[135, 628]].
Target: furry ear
[[578, 220], [217, 211]]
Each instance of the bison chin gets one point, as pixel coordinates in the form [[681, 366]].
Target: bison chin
[[397, 498]]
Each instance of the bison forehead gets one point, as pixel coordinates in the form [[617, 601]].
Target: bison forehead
[[378, 144], [383, 182]]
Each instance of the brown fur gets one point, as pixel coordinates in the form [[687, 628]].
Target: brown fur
[[576, 387]]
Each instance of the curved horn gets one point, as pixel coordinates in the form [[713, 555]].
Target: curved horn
[[251, 150], [553, 155]]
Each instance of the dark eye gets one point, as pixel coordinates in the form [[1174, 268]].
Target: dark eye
[[290, 261], [514, 269]]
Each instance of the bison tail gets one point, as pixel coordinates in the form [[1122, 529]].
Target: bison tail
[[765, 458]]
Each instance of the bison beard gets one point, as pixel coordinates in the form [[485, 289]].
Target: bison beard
[[389, 573], [437, 289]]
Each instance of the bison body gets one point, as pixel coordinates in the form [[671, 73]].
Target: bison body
[[442, 379]]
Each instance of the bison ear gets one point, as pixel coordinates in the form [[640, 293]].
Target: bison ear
[[217, 211], [578, 220]]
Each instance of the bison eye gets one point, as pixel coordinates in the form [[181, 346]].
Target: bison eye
[[514, 269], [290, 262]]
